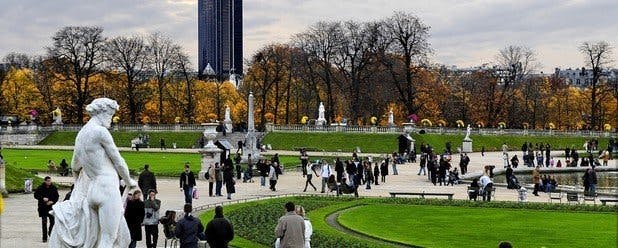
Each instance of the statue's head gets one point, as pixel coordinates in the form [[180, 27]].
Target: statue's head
[[104, 109]]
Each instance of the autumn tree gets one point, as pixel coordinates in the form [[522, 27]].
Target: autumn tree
[[597, 57], [265, 70], [76, 53]]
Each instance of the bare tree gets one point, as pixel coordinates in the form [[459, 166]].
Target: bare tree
[[321, 41], [162, 53], [354, 58], [514, 63], [597, 56], [76, 53], [127, 55], [183, 68], [404, 46], [42, 75]]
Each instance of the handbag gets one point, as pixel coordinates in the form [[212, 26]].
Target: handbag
[[195, 194]]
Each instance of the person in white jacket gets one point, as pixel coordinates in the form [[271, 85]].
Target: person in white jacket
[[308, 227]]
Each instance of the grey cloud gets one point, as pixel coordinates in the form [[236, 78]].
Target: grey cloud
[[463, 32]]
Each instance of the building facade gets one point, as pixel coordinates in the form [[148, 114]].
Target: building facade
[[220, 39], [583, 78]]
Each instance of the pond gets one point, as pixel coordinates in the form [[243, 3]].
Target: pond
[[607, 180]]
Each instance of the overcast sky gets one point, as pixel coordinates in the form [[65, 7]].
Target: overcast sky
[[463, 32]]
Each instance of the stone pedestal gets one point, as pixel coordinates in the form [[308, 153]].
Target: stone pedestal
[[2, 181], [211, 154], [466, 146]]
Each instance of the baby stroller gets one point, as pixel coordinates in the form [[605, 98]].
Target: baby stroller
[[169, 224], [247, 175]]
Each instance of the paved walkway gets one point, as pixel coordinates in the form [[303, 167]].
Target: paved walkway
[[20, 225]]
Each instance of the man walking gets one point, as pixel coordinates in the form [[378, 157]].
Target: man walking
[[188, 229], [187, 182], [324, 173], [147, 181], [47, 195], [291, 228], [219, 231]]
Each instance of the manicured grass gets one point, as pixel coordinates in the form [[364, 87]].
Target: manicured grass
[[163, 164], [482, 227], [345, 142], [123, 139], [439, 223], [387, 143], [14, 178]]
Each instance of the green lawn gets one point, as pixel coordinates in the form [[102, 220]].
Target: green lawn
[[429, 222], [14, 180], [387, 143], [444, 226], [123, 138], [345, 142], [164, 164], [161, 163]]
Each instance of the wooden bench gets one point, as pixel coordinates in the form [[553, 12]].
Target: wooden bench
[[605, 201], [423, 194]]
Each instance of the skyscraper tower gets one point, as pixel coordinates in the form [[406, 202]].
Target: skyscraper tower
[[220, 38]]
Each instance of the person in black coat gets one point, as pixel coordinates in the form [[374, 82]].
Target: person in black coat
[[228, 179], [188, 229], [65, 167], [383, 171], [47, 196], [339, 169], [134, 215], [147, 181], [187, 182], [219, 231], [376, 173]]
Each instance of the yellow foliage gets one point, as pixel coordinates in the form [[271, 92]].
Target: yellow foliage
[[20, 94]]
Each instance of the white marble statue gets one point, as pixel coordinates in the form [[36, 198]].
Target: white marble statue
[[228, 120], [57, 116], [469, 129], [321, 120], [93, 216], [391, 118]]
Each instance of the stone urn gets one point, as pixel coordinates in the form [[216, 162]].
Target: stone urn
[[210, 133]]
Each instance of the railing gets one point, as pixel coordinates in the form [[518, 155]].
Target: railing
[[29, 129], [435, 130]]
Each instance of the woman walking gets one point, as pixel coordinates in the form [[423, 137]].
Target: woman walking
[[308, 227], [310, 170]]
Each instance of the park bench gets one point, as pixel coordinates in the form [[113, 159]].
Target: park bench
[[553, 195], [606, 200], [422, 194], [572, 197], [592, 198]]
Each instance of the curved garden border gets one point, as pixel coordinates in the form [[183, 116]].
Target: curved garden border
[[332, 221]]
